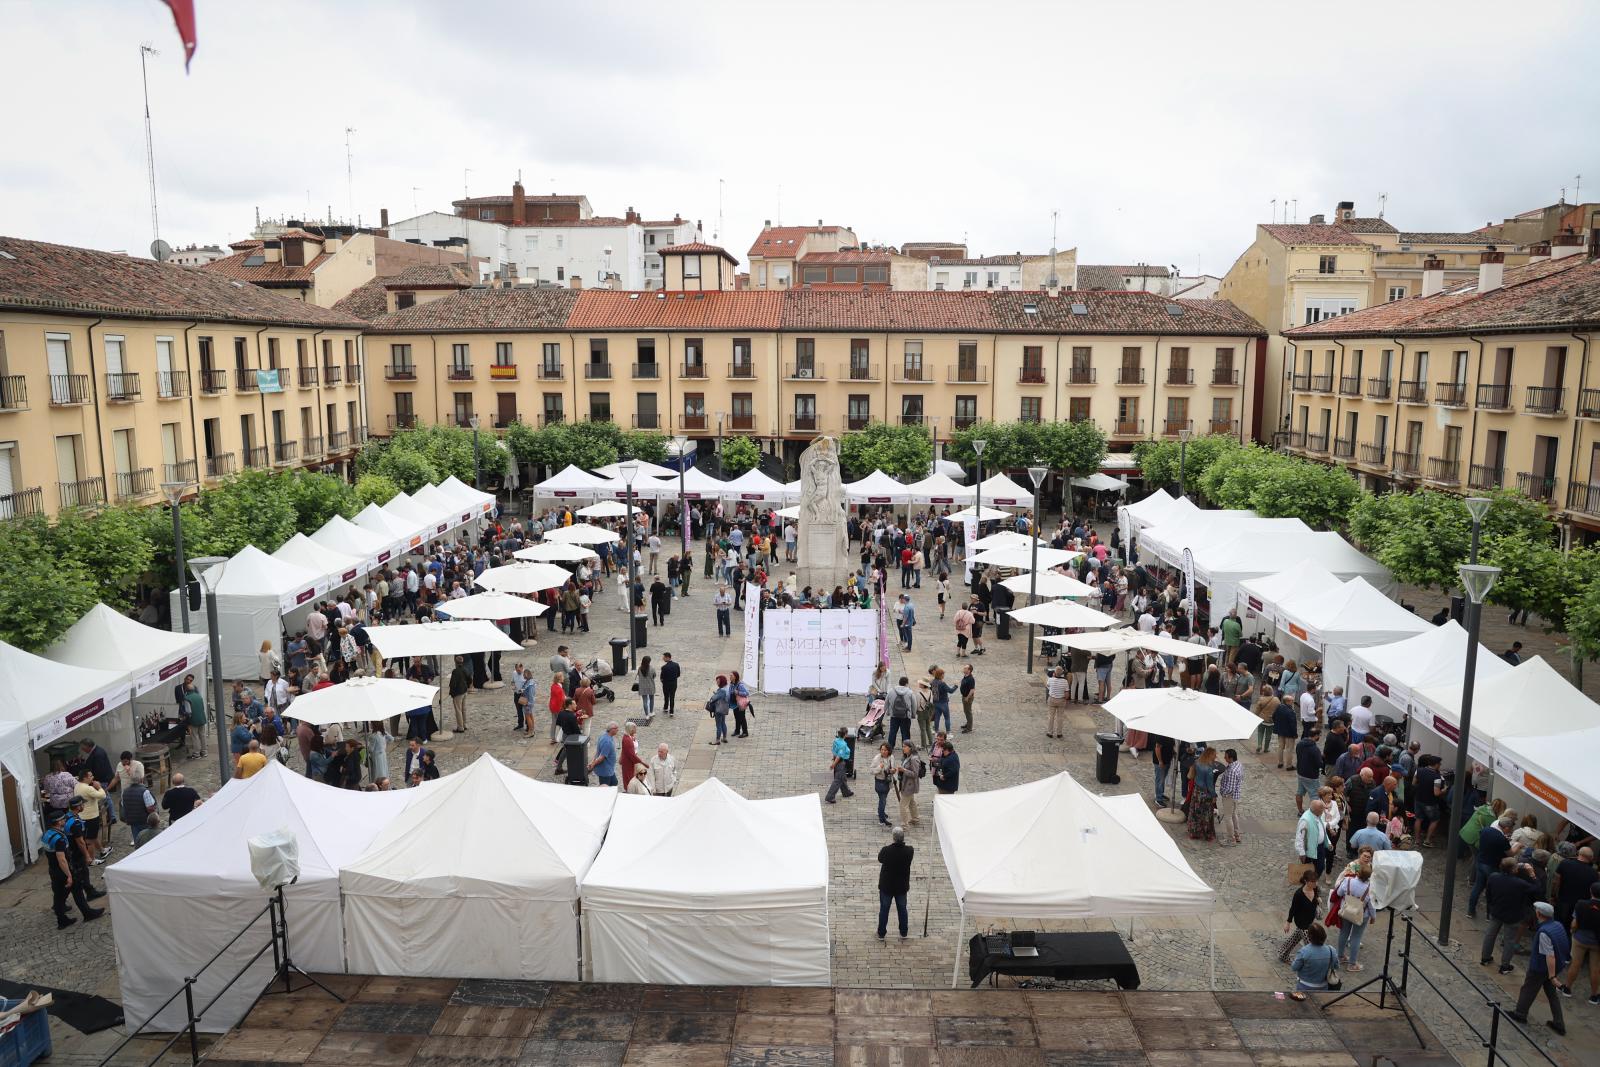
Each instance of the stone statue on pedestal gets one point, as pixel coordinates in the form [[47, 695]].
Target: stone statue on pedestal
[[824, 540]]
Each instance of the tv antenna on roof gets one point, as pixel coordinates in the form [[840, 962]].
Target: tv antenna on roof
[[349, 172], [1383, 202], [149, 143]]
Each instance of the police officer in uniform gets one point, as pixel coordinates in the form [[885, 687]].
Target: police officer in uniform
[[59, 847]]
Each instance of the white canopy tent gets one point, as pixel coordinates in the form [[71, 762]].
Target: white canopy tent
[[1333, 623], [466, 496], [1435, 657], [1529, 700], [401, 534], [989, 515], [51, 699], [754, 486], [1005, 493], [1023, 558], [555, 552], [1207, 529], [1100, 483], [444, 891], [790, 512], [1006, 539], [492, 605], [362, 700], [337, 569], [570, 481], [876, 488], [16, 761], [1183, 714], [254, 592], [448, 511], [1051, 849], [608, 509], [1260, 597], [1049, 584], [939, 489], [179, 899], [1557, 770], [1129, 638], [1064, 615], [1220, 568], [523, 577], [423, 522], [343, 536], [643, 489], [582, 533], [646, 470], [441, 639], [152, 658], [708, 888], [1148, 511]]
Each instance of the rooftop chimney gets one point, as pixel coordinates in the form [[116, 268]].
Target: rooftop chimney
[[1491, 270], [632, 215], [1345, 211], [383, 218], [1318, 220], [1563, 245], [519, 203], [766, 224], [1432, 275], [1539, 252]]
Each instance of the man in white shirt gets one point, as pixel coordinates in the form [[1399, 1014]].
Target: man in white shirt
[[1308, 712], [316, 626], [1361, 720], [663, 776], [277, 692], [1147, 622]]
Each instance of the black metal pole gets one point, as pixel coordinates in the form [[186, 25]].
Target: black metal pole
[[1183, 457], [1033, 569], [217, 691], [477, 469], [633, 648], [177, 552], [977, 522], [1458, 792]]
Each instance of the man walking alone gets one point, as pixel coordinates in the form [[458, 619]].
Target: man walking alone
[[894, 882]]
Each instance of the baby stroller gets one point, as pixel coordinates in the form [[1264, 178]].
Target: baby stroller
[[871, 726], [597, 673]]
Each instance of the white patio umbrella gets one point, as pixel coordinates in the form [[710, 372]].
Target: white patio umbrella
[[1005, 539], [1183, 714], [790, 512], [1021, 558], [362, 700], [989, 514], [1098, 640], [606, 509], [1050, 584], [1064, 615], [523, 577], [582, 533], [441, 639], [555, 552], [493, 605]]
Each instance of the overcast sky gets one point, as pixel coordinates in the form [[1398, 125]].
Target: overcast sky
[[1160, 132]]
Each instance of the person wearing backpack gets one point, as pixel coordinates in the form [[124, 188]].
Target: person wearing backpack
[[911, 771], [901, 703]]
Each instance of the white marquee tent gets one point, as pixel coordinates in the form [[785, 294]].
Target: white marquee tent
[[346, 538], [875, 488], [1159, 506], [570, 481], [447, 891], [708, 888], [421, 521], [16, 760], [179, 899], [646, 470], [446, 509], [1100, 482], [939, 489], [466, 496], [752, 485], [1002, 492], [50, 699], [254, 592], [1555, 769], [152, 658], [1353, 615], [1051, 849], [337, 569], [1260, 597], [1202, 531], [1220, 568], [1435, 657], [1529, 700], [401, 535]]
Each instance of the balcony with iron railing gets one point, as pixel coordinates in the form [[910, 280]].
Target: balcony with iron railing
[[696, 369], [853, 423], [551, 372], [1584, 497], [861, 372], [742, 423], [459, 372], [245, 380], [649, 420], [285, 452], [1127, 428], [1344, 448], [332, 374], [123, 388], [1225, 376], [1225, 426], [1174, 427], [1180, 375], [13, 392], [358, 435], [743, 370], [647, 370], [1537, 486], [1545, 400], [1350, 385], [81, 493], [1451, 394], [1406, 464], [1316, 442], [67, 390], [1289, 439], [1322, 383], [963, 422], [403, 420], [690, 420], [338, 440], [309, 376], [1130, 375], [802, 423], [1494, 397], [400, 372], [913, 419], [1030, 375], [134, 484], [1374, 455], [959, 375], [213, 382], [1589, 403], [1081, 376], [552, 418], [502, 372], [220, 465], [22, 503], [597, 372], [1312, 274], [1444, 470], [1484, 476], [185, 470], [172, 384], [257, 456], [1379, 388], [1413, 392], [311, 447], [805, 372], [352, 373], [1300, 383]]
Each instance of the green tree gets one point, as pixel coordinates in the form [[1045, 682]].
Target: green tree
[[1580, 609], [1070, 448], [1319, 496], [900, 451], [318, 498], [646, 445], [1003, 447], [739, 454], [250, 508], [1420, 537], [44, 593], [376, 489], [158, 530], [586, 445], [112, 544], [1158, 460], [409, 469], [1533, 574]]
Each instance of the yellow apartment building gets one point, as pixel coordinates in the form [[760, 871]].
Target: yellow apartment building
[[785, 366], [323, 268], [1294, 275], [120, 374], [1492, 383]]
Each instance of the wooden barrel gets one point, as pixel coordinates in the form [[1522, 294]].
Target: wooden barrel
[[157, 760]]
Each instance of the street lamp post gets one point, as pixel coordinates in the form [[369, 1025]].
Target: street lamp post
[[200, 568], [719, 446], [174, 493], [977, 449], [629, 469], [477, 464], [1183, 454], [682, 445], [1476, 581], [1037, 474]]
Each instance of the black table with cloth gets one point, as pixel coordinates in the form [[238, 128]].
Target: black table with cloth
[[1080, 957]]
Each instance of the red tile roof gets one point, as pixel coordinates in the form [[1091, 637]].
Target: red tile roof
[[1311, 234], [783, 242], [844, 258], [882, 310], [515, 308], [37, 276], [1366, 225], [429, 276], [605, 309], [1117, 311], [301, 235], [1446, 238], [545, 198], [269, 274], [698, 248], [1109, 276], [368, 301]]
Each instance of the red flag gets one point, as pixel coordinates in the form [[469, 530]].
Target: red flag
[[183, 16]]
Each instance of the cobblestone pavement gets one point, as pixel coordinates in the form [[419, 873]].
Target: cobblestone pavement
[[787, 753]]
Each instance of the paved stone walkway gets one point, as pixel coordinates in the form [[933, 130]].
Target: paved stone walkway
[[787, 753]]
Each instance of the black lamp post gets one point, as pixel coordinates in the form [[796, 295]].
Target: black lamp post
[[1038, 475], [200, 568], [682, 445], [174, 493], [629, 469], [977, 449], [1183, 454], [477, 463]]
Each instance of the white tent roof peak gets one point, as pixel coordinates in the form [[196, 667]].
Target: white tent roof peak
[[381, 522], [1529, 699], [1437, 656], [876, 486], [646, 470], [1353, 606], [1308, 577], [460, 491], [252, 573], [999, 489], [302, 551], [342, 535], [108, 640], [941, 488], [753, 482], [569, 481], [38, 692]]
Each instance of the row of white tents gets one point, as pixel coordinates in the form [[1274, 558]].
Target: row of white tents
[[259, 595], [487, 873]]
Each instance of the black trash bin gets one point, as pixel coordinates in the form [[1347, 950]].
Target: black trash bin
[[1105, 762], [641, 630], [577, 758], [619, 656]]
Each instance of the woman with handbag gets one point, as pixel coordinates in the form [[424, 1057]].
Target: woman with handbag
[[1302, 915], [1316, 964], [717, 705], [1355, 912], [644, 683], [739, 701], [882, 775]]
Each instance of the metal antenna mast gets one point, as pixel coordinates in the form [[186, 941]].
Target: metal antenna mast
[[149, 143], [349, 172]]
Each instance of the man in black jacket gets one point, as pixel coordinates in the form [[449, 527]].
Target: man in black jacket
[[1512, 891], [460, 683], [894, 881], [670, 670]]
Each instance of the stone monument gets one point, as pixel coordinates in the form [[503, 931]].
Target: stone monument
[[824, 540]]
